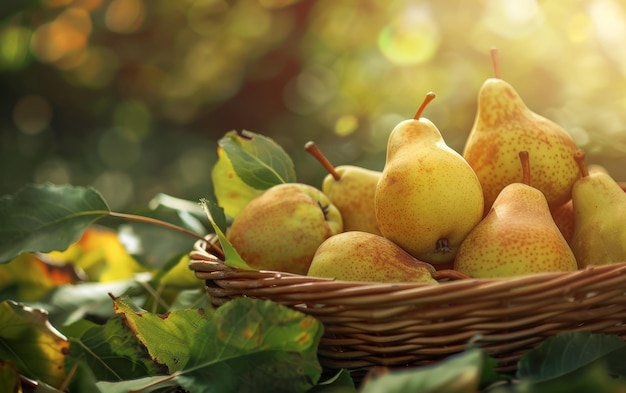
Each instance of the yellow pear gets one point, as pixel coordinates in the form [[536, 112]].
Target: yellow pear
[[517, 236], [428, 197], [599, 217], [504, 126], [281, 228], [364, 256], [563, 215], [351, 189]]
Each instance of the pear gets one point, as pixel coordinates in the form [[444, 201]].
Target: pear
[[367, 257], [503, 126], [351, 189], [281, 228], [517, 236], [563, 215], [599, 217], [428, 197]]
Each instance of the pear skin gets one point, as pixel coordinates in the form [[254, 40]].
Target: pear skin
[[517, 237], [282, 227], [352, 190], [599, 215], [428, 197], [563, 215], [503, 126], [366, 257]]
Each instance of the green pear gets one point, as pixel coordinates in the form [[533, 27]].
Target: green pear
[[428, 197], [504, 126], [364, 256], [517, 236], [599, 236], [281, 228], [351, 189]]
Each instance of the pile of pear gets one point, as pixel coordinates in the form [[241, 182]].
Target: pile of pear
[[518, 200]]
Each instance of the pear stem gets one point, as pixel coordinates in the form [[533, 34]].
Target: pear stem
[[495, 61], [429, 97], [525, 160], [315, 151], [579, 156]]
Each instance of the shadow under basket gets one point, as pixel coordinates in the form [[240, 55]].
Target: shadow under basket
[[412, 324]]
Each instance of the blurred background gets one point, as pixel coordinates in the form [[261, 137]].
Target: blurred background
[[131, 96]]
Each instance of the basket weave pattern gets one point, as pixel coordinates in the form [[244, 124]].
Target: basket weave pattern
[[379, 324]]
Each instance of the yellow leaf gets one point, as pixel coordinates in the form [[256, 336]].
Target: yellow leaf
[[231, 192], [101, 255]]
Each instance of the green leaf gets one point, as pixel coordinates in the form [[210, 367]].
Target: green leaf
[[46, 217], [232, 193], [254, 345], [232, 257], [459, 373], [258, 160], [246, 345], [111, 351], [29, 341], [568, 353], [9, 377], [167, 337]]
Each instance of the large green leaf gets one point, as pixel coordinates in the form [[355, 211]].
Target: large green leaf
[[111, 351], [167, 337], [258, 160], [255, 345], [246, 345], [459, 373], [570, 352], [29, 341], [46, 217]]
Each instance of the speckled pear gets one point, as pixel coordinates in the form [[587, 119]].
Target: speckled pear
[[428, 197], [599, 204], [364, 256], [281, 228], [517, 236], [351, 189], [504, 126]]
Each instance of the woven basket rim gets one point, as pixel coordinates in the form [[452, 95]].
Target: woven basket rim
[[207, 265]]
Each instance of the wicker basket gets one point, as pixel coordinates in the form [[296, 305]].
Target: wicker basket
[[394, 325]]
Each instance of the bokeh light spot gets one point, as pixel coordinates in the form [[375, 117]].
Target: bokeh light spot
[[579, 28], [14, 47], [119, 148], [117, 188], [512, 18], [195, 165], [54, 171], [125, 16], [133, 116], [63, 36], [32, 114], [346, 125], [411, 38]]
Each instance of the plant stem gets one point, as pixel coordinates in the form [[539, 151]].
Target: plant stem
[[154, 221]]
